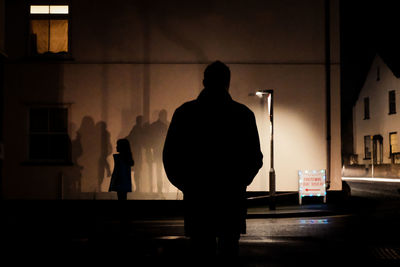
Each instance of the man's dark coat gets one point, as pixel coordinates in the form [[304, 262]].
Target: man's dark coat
[[212, 153]]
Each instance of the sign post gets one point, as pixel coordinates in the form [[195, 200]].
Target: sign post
[[312, 183]]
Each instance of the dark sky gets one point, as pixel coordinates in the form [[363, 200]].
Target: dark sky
[[367, 28]]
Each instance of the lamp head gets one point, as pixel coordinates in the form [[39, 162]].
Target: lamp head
[[265, 92]]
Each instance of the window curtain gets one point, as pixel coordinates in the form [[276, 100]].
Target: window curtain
[[50, 35]]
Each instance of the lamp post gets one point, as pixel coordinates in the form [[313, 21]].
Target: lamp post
[[268, 93]]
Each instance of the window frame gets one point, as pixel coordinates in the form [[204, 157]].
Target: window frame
[[390, 144], [365, 146], [60, 55], [394, 157], [48, 161]]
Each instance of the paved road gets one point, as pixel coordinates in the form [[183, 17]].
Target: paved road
[[365, 232]]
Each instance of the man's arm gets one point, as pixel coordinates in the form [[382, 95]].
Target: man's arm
[[254, 155]]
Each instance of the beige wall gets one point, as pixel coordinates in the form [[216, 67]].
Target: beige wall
[[114, 95], [274, 44], [198, 31]]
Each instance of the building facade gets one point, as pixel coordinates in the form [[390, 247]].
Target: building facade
[[82, 74], [376, 119]]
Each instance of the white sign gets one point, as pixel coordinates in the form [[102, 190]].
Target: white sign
[[312, 184]]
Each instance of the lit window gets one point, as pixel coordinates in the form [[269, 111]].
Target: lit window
[[59, 9], [47, 9], [49, 27], [394, 148], [40, 9], [48, 134]]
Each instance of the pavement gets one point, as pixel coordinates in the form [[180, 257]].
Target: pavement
[[149, 232], [291, 211], [344, 231]]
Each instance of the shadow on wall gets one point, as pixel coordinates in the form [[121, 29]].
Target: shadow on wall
[[147, 142], [73, 174], [90, 150]]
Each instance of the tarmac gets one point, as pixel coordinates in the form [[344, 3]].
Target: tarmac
[[95, 231]]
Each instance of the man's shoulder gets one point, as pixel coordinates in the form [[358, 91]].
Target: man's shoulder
[[187, 106], [242, 108], [193, 106]]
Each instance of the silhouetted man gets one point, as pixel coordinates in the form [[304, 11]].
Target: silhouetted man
[[136, 139], [159, 130], [212, 153]]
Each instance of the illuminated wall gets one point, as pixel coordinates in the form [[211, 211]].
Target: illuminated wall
[[137, 58]]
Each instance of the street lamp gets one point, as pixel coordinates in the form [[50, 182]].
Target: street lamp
[[268, 93]]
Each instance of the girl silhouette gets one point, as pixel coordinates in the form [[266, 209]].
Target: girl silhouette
[[121, 176]]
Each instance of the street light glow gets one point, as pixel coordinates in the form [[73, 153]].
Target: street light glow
[[259, 94], [265, 92], [369, 179]]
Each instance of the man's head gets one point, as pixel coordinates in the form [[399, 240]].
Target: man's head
[[217, 75], [162, 115]]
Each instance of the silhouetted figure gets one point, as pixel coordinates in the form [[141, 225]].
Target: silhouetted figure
[[74, 174], [135, 138], [121, 180], [90, 153], [159, 130], [148, 153], [212, 153], [105, 151]]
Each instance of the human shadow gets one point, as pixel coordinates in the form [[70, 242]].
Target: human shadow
[[135, 138], [158, 132], [105, 152], [93, 147], [75, 175], [148, 154]]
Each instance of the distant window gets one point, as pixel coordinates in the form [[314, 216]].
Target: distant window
[[367, 147], [392, 102], [394, 147], [48, 134], [49, 27], [366, 108]]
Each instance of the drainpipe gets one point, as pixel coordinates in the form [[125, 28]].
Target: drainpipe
[[328, 91], [2, 62]]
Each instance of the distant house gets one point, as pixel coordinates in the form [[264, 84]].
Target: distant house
[[376, 117]]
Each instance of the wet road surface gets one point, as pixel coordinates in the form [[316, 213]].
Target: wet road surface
[[365, 232]]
